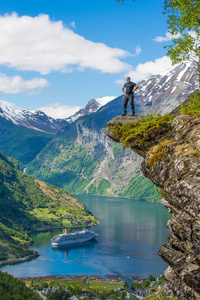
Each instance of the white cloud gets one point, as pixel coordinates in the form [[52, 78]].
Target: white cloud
[[72, 24], [42, 45], [137, 51], [143, 71], [168, 37], [16, 84], [120, 81], [59, 111]]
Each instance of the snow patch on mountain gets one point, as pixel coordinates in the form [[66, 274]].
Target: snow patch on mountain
[[33, 119], [104, 100], [92, 106], [13, 113], [161, 93]]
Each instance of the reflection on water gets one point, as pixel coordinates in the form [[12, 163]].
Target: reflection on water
[[71, 247], [129, 237], [67, 248]]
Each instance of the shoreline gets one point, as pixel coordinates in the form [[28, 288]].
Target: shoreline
[[19, 260], [115, 196], [80, 277], [36, 254], [62, 227]]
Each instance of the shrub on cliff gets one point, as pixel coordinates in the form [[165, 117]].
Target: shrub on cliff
[[141, 129], [191, 106]]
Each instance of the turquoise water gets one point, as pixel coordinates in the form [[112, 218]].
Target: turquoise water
[[130, 235]]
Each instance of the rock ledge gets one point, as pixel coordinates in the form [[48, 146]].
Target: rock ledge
[[172, 162]]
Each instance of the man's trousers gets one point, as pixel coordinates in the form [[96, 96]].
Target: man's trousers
[[128, 98]]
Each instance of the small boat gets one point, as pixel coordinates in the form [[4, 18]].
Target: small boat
[[72, 238]]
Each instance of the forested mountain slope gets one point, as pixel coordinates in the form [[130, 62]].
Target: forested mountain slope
[[20, 142], [27, 204]]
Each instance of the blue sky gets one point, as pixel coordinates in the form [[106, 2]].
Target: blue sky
[[57, 55]]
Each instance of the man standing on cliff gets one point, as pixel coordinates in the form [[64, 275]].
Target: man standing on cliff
[[130, 87]]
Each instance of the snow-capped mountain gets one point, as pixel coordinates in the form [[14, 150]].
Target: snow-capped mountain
[[92, 106], [162, 93], [30, 118]]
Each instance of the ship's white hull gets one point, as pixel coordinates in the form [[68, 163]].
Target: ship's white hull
[[69, 242], [74, 238]]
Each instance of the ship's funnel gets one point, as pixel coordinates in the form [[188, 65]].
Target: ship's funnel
[[66, 231]]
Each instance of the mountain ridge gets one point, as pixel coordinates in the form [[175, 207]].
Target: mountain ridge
[[33, 119]]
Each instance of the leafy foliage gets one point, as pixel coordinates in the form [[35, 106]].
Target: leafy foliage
[[182, 15], [192, 106], [138, 284], [59, 294], [184, 24], [12, 288]]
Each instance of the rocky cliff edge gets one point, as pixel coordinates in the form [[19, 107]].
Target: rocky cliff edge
[[171, 160]]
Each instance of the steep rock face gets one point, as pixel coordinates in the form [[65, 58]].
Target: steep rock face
[[114, 163], [172, 161], [82, 160]]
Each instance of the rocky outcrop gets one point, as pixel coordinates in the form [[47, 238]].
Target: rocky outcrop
[[171, 160]]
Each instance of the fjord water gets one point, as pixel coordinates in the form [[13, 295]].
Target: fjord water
[[129, 236]]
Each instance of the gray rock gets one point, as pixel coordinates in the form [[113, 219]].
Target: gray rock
[[172, 162]]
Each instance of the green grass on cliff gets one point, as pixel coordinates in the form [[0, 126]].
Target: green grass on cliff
[[191, 106], [141, 129]]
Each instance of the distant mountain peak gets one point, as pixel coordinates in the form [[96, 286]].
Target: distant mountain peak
[[92, 106], [33, 119]]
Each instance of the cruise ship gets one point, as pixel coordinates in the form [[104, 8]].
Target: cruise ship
[[72, 238]]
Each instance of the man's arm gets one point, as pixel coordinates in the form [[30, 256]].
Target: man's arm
[[135, 88], [123, 90]]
